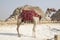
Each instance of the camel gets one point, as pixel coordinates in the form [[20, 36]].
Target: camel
[[56, 16], [18, 10], [49, 13], [53, 16], [18, 15]]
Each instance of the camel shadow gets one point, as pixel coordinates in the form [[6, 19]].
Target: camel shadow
[[14, 34], [9, 34]]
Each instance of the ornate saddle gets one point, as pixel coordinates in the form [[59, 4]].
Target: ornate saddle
[[27, 15]]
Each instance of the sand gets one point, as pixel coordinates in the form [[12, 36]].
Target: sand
[[43, 32]]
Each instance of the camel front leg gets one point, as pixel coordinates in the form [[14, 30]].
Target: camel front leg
[[18, 25], [34, 26]]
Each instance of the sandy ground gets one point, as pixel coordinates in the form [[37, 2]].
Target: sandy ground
[[43, 32]]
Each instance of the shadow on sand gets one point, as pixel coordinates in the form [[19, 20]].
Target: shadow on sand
[[14, 34], [9, 34]]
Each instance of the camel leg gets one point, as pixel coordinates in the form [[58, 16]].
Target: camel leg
[[18, 25], [34, 26]]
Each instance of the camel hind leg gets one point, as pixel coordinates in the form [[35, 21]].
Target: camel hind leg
[[18, 25]]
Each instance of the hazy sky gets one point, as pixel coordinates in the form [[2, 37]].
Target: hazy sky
[[7, 6]]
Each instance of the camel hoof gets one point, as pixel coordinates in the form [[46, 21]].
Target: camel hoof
[[19, 35], [34, 36]]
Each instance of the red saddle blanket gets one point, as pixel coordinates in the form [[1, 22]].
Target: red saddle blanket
[[28, 14]]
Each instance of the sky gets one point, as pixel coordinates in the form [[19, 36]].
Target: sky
[[7, 6]]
